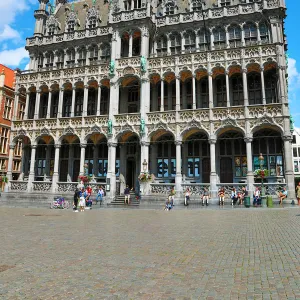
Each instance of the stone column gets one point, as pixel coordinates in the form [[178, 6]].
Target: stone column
[[178, 178], [144, 97], [55, 176], [111, 173], [82, 158], [227, 88], [194, 91], [145, 42], [289, 172], [250, 175], [37, 105], [162, 105], [213, 173], [85, 100], [70, 163], [177, 93], [10, 161], [49, 104], [210, 90], [99, 100], [281, 84], [263, 85], [130, 45], [16, 106], [144, 155], [73, 102], [245, 87], [113, 99], [60, 103], [26, 106], [32, 165]]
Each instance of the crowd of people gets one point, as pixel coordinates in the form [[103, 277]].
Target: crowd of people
[[83, 198]]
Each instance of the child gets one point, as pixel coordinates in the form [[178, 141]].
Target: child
[[81, 201], [221, 195]]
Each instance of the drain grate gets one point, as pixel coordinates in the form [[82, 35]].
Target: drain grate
[[5, 268]]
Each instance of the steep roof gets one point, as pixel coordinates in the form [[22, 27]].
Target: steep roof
[[9, 76]]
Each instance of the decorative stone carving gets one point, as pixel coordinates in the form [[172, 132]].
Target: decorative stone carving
[[69, 131]]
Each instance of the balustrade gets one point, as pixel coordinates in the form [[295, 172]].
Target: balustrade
[[20, 186]]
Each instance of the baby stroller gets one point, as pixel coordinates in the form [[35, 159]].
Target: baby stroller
[[60, 203], [169, 203]]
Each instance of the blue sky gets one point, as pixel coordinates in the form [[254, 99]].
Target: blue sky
[[17, 23]]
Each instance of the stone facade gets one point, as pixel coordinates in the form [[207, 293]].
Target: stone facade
[[191, 93]]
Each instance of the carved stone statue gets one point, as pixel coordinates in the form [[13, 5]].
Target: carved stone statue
[[111, 67], [143, 64], [292, 123], [110, 125], [142, 129]]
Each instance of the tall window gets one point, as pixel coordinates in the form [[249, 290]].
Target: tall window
[[234, 36], [92, 103], [82, 56], [18, 148], [175, 47], [197, 5], [54, 104], [105, 53], [7, 108], [189, 41], [4, 140], [49, 60], [221, 91], [125, 45], [204, 40], [264, 33], [102, 159], [92, 23], [79, 102], [60, 59], [71, 26], [136, 43], [254, 88], [250, 34], [133, 97], [40, 160], [51, 29], [127, 4], [67, 104], [170, 8], [204, 94], [93, 54], [237, 90], [71, 57], [137, 3], [271, 87], [89, 159], [43, 105], [219, 38], [16, 165], [40, 61], [21, 111], [104, 100], [162, 45], [224, 2]]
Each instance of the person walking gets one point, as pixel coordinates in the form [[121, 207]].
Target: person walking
[[172, 196], [256, 197], [100, 195], [75, 200], [127, 194], [205, 197], [298, 192]]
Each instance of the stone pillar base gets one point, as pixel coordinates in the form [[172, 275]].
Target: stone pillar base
[[178, 182], [213, 186]]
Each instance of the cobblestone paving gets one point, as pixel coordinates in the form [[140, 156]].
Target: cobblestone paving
[[150, 254]]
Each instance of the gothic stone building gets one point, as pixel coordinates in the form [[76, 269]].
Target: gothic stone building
[[190, 91]]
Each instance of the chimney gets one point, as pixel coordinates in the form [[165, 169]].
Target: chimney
[[2, 78]]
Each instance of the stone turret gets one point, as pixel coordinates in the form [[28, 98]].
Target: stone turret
[[40, 17]]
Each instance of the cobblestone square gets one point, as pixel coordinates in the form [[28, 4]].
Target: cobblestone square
[[208, 253]]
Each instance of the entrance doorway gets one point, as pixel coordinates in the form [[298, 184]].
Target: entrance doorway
[[206, 170], [130, 172], [226, 174]]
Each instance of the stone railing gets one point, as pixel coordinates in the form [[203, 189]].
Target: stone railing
[[16, 185], [66, 187], [165, 117], [217, 12], [229, 186], [42, 186], [161, 188], [201, 114], [196, 189], [132, 119], [136, 14], [271, 188]]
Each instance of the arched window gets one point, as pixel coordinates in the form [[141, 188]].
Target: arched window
[[60, 59], [250, 34], [81, 56], [221, 100], [104, 100], [43, 105], [254, 88], [197, 5], [49, 59], [93, 54], [204, 40], [204, 94], [271, 87], [92, 103], [125, 45], [175, 47], [40, 61], [105, 52], [264, 33], [133, 97], [136, 43], [71, 57], [234, 36], [162, 46], [219, 38], [71, 26], [79, 102], [51, 29], [170, 8], [189, 41], [237, 90], [92, 22], [67, 104]]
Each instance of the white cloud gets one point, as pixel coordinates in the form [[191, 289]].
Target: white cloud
[[294, 75], [9, 33], [13, 57]]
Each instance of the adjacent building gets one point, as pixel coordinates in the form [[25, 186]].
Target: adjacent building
[[190, 91]]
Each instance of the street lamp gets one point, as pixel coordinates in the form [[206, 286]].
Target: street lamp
[[262, 175], [145, 164]]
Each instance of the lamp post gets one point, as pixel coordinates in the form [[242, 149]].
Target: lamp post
[[261, 163], [145, 164]]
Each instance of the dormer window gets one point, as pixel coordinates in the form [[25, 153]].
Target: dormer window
[[60, 59], [170, 8], [49, 60], [93, 53], [197, 5], [71, 26], [162, 45], [175, 43], [82, 57], [224, 3], [137, 3], [92, 23], [105, 53], [71, 57], [51, 30], [127, 5]]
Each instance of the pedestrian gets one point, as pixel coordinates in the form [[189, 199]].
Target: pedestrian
[[242, 195], [256, 197], [282, 195], [221, 195], [127, 194], [234, 196], [298, 192], [187, 197], [205, 197], [75, 200], [172, 196], [81, 200], [100, 195]]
